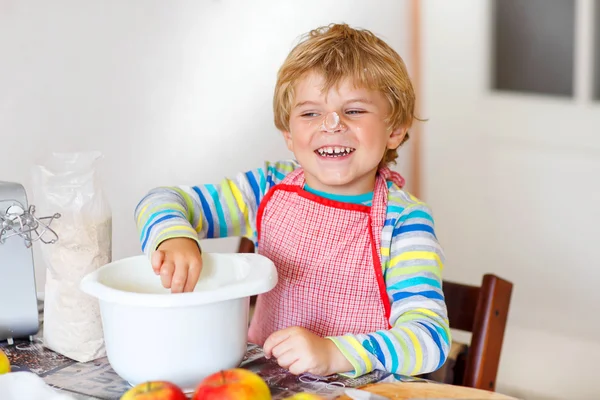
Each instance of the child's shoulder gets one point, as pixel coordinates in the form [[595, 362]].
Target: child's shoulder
[[282, 167], [276, 171], [270, 173], [400, 201]]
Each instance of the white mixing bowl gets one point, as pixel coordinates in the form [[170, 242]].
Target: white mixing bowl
[[152, 334]]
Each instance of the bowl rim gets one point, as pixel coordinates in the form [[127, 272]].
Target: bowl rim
[[263, 278]]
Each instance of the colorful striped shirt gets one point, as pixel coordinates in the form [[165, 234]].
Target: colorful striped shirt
[[412, 261]]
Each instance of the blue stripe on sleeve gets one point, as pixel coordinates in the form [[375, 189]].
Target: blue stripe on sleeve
[[373, 346], [442, 333], [430, 294], [413, 228], [270, 182], [254, 186], [396, 209], [262, 179], [436, 339], [418, 280], [278, 174], [222, 223], [392, 351], [154, 215], [416, 214], [206, 212], [145, 242]]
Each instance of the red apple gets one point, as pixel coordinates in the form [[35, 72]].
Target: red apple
[[233, 384], [154, 390]]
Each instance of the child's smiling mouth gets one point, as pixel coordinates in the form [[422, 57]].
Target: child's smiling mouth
[[334, 151]]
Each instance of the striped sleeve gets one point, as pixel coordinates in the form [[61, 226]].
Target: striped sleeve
[[419, 339], [207, 211]]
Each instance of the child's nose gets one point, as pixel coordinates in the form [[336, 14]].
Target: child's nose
[[332, 123]]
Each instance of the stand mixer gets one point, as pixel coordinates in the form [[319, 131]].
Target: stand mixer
[[19, 228]]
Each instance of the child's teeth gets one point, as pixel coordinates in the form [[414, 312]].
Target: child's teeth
[[334, 151]]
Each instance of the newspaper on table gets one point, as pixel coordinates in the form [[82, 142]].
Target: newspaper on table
[[96, 380]]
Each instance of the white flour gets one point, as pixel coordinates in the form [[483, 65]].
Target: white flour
[[72, 322], [67, 183]]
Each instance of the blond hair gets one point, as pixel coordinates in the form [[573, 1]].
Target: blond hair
[[337, 52]]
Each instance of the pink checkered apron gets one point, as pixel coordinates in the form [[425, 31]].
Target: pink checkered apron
[[327, 258]]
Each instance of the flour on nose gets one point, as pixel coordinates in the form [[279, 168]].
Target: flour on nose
[[331, 122]]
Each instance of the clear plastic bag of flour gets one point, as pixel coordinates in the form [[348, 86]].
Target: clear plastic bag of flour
[[67, 183]]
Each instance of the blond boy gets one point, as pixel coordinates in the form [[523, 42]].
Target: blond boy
[[358, 261]]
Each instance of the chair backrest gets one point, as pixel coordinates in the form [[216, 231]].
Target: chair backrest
[[483, 311], [246, 246]]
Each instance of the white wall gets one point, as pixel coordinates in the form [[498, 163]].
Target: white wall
[[513, 182], [174, 92]]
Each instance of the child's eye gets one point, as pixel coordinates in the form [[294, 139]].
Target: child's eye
[[355, 112], [309, 114]]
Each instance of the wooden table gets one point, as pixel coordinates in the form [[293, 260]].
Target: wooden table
[[421, 390]]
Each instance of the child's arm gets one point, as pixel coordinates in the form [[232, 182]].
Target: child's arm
[[206, 211], [419, 339]]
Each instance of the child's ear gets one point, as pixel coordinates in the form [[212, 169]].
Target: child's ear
[[288, 140], [396, 137]]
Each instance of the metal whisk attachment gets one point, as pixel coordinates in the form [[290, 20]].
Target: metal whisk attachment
[[16, 221]]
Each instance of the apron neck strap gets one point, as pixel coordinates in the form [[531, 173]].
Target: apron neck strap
[[296, 178], [393, 176]]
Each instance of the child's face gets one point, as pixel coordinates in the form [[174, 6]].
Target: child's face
[[362, 129]]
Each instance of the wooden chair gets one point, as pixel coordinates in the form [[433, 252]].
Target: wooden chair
[[481, 310], [247, 246]]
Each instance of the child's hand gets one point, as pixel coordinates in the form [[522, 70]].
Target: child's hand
[[299, 351], [179, 262]]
